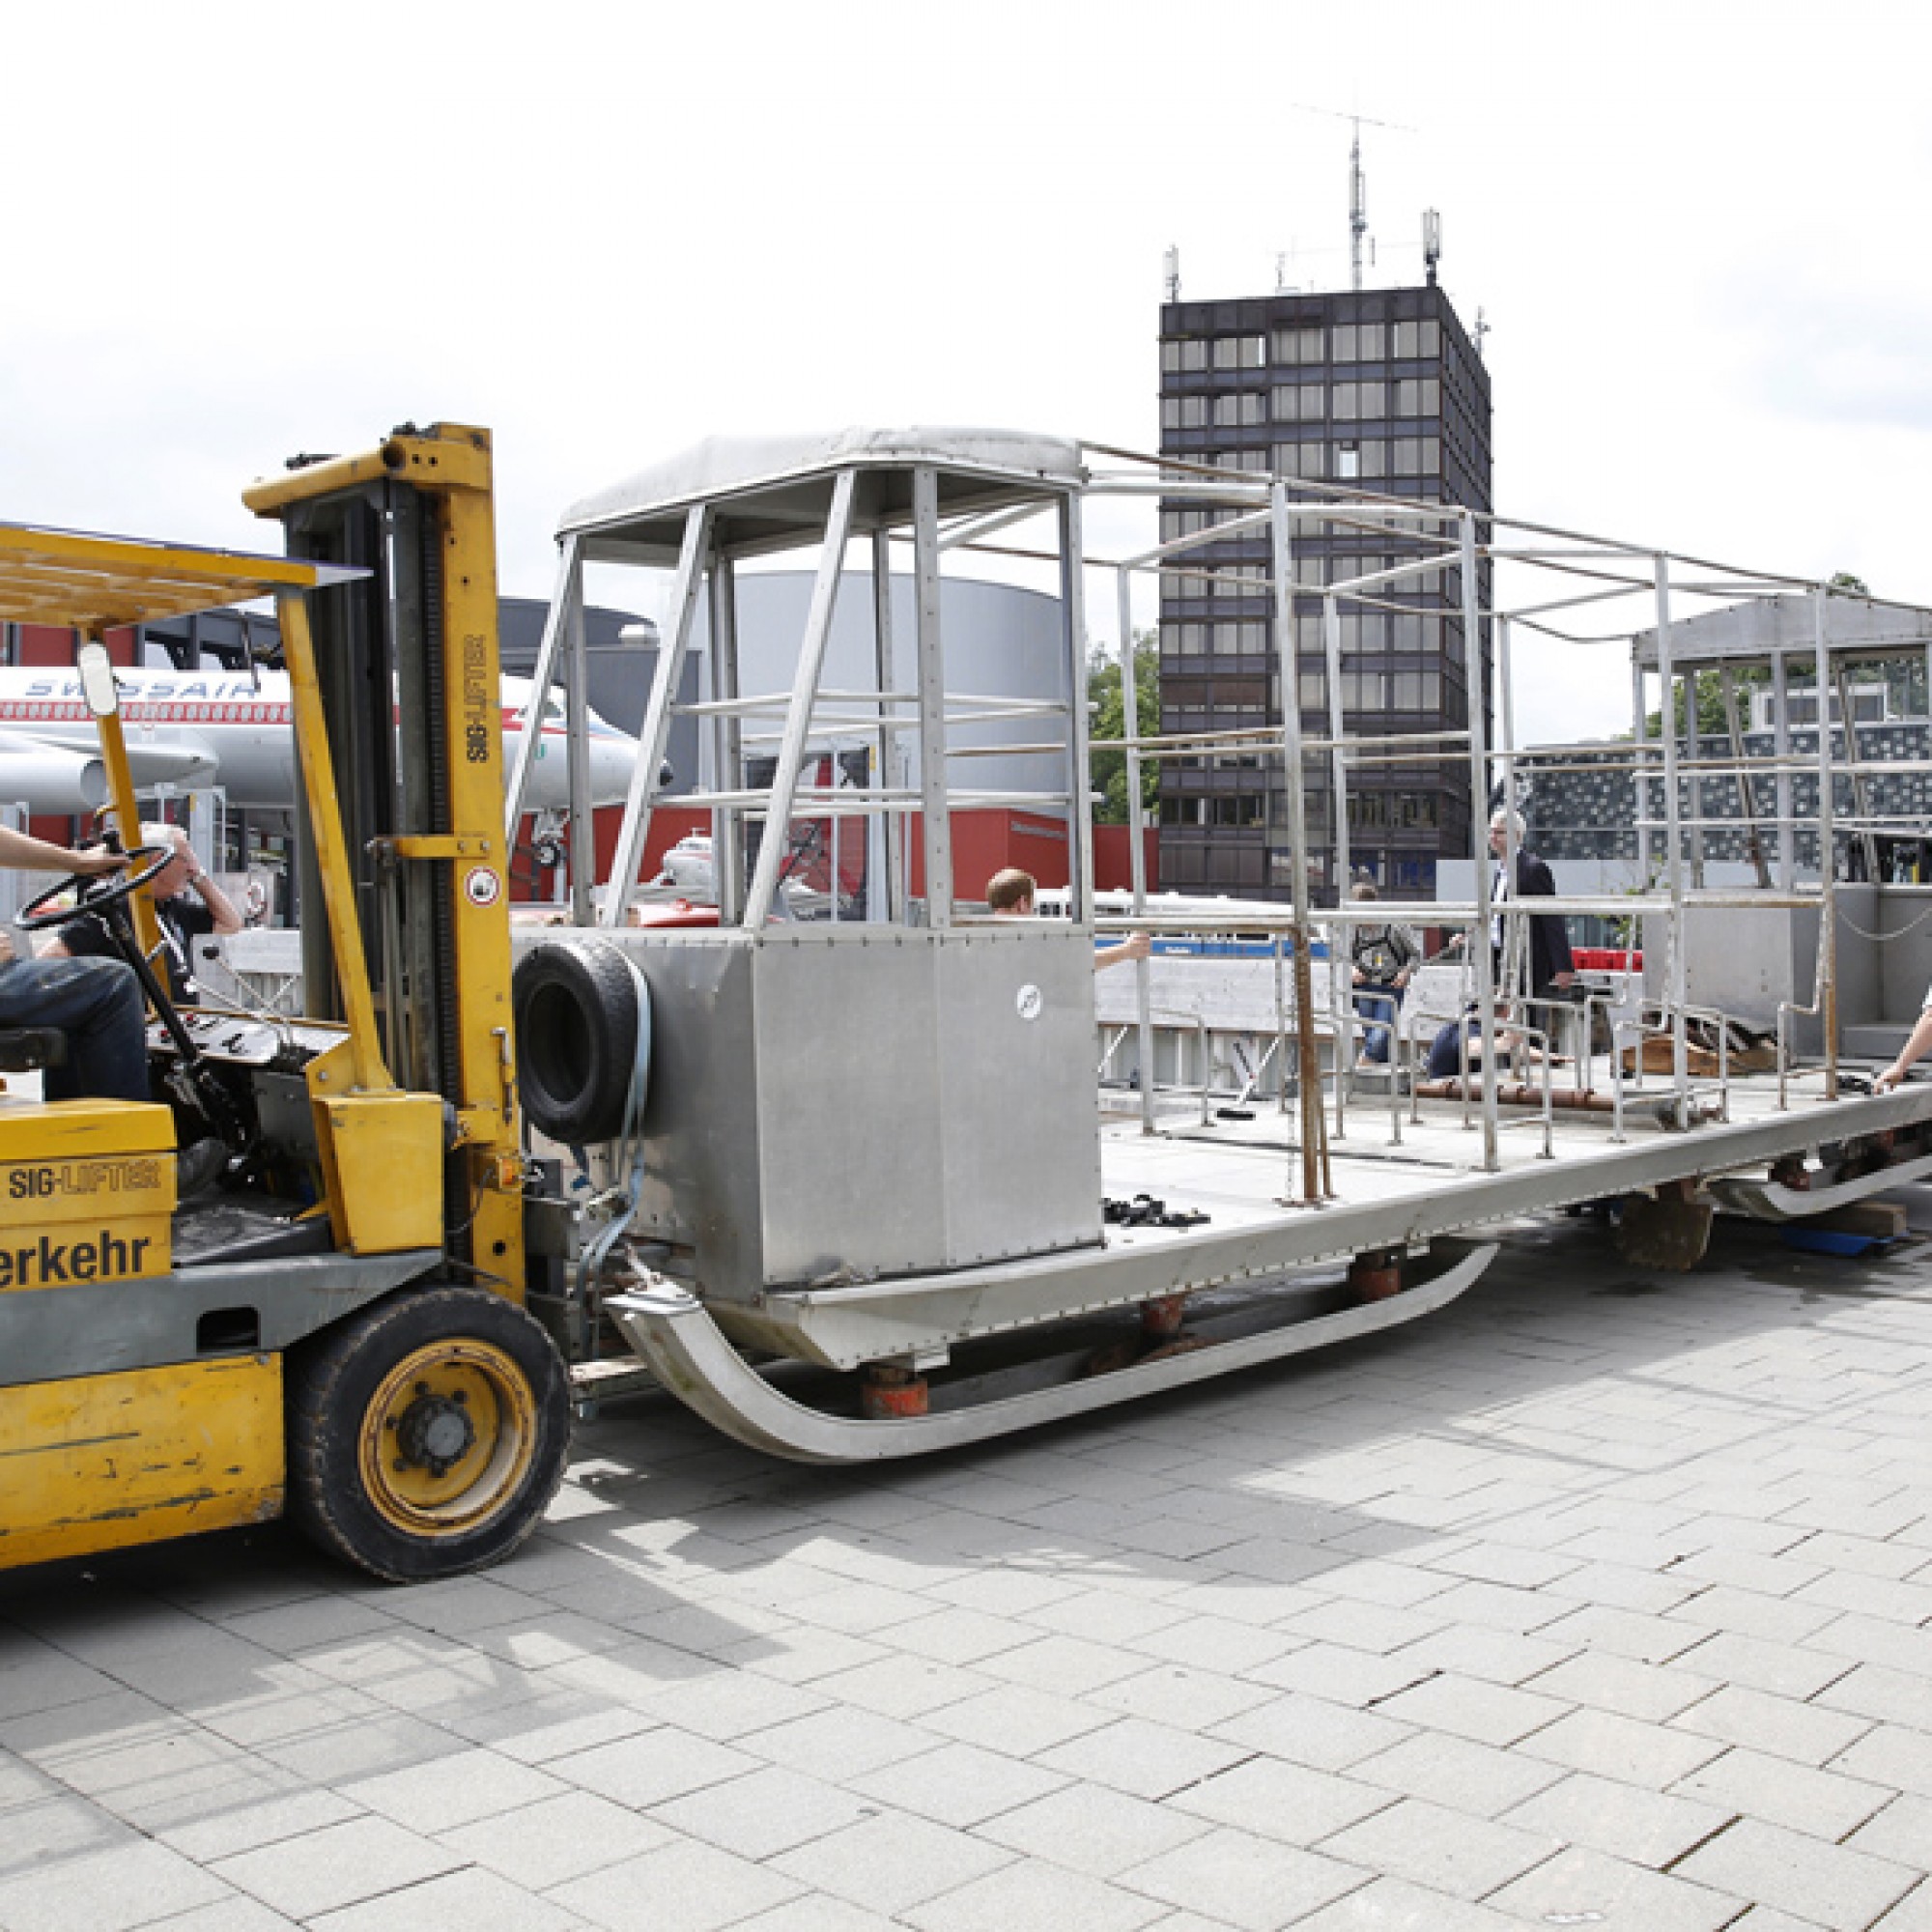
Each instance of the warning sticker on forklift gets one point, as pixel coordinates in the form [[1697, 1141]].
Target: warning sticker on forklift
[[482, 886]]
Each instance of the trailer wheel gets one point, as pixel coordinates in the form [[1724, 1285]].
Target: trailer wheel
[[577, 1012], [427, 1433]]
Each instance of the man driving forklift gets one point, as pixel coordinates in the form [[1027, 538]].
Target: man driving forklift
[[97, 1003]]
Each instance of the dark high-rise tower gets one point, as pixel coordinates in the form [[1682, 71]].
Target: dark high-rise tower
[[1379, 391]]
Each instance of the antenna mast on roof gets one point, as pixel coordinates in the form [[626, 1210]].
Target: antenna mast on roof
[[1171, 269], [1358, 208]]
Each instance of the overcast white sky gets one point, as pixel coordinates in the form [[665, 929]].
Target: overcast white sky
[[1698, 233]]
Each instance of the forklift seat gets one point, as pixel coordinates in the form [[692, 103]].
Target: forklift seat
[[23, 1049]]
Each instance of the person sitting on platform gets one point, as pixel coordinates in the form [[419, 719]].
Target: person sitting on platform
[[1011, 892], [1382, 959]]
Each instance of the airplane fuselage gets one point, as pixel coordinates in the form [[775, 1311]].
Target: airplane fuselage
[[227, 728]]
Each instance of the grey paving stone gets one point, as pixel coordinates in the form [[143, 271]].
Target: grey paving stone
[[1912, 1914], [1393, 1905], [1440, 1849], [1891, 1754], [1466, 1707], [1142, 1759], [1093, 1829], [556, 1839], [652, 1767], [1902, 1831], [1781, 1792], [953, 1635], [1274, 1800], [679, 1888], [455, 1790], [1876, 1640], [1311, 1731], [1870, 1690], [1631, 1634], [1825, 1883], [1376, 1627], [1105, 1616], [1785, 1670], [337, 1865], [243, 1828], [234, 1914], [901, 1686], [558, 1725], [891, 1860], [1752, 1613], [1071, 1666], [1384, 1582], [815, 1915], [1454, 1771], [1780, 1726], [1016, 1720], [105, 1890], [726, 1704], [1585, 1887], [44, 1679], [1608, 1682], [762, 1814], [1646, 1827], [1172, 1693], [838, 1743], [56, 1827], [1033, 1897], [310, 1623], [1242, 1880], [958, 1785], [1496, 1656], [1219, 1643], [1342, 1675], [332, 1740], [463, 1901], [1621, 1749]]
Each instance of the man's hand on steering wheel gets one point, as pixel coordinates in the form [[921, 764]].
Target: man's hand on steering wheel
[[91, 892]]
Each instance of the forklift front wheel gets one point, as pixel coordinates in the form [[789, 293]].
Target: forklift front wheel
[[427, 1433]]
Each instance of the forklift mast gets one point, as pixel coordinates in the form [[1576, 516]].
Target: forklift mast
[[406, 672]]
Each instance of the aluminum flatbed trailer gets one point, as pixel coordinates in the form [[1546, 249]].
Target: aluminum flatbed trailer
[[1390, 1204], [863, 1206]]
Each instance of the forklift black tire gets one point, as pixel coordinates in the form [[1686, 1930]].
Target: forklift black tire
[[576, 1006], [427, 1432]]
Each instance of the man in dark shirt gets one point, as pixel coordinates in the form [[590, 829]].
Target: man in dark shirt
[[182, 920]]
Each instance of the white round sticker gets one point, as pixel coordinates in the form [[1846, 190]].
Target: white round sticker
[[483, 887], [1029, 1003]]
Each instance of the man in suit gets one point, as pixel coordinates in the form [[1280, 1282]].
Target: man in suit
[[1550, 965]]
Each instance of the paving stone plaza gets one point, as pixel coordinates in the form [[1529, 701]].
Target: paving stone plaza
[[1599, 1600]]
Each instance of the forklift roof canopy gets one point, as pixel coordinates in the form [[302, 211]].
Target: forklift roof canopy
[[93, 583]]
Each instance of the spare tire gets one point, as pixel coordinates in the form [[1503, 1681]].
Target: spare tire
[[582, 1013]]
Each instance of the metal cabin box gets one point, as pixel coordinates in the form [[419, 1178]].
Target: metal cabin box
[[830, 1105]]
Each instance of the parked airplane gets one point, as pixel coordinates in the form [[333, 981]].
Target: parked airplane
[[210, 727]]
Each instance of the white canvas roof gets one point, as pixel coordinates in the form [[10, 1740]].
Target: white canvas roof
[[774, 482]]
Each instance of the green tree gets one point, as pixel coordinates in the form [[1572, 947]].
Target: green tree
[[1105, 708]]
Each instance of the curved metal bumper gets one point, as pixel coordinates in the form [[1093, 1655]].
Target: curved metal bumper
[[671, 1329], [1772, 1201]]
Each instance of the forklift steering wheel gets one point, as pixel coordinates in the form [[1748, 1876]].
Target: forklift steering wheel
[[92, 889]]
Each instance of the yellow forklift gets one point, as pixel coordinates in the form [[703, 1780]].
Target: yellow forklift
[[338, 1332]]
